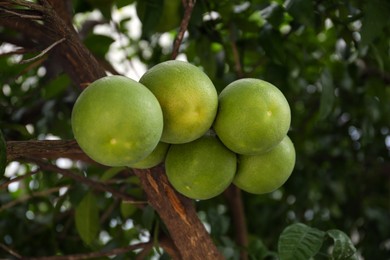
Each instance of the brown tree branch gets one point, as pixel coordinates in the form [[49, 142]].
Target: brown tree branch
[[113, 252], [234, 199], [183, 27], [179, 215], [71, 53], [50, 149], [236, 56], [45, 51], [16, 179], [22, 199], [10, 251], [44, 165]]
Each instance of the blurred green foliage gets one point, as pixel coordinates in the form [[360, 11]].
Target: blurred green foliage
[[331, 59]]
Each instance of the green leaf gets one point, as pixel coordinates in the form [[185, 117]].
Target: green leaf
[[299, 241], [327, 94], [122, 3], [274, 14], [55, 87], [3, 154], [148, 217], [343, 246], [110, 173], [301, 10], [98, 44], [87, 219], [127, 209], [149, 12], [375, 18]]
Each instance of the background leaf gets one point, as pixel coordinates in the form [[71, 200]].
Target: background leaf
[[374, 20], [327, 94], [343, 246], [299, 242], [87, 218]]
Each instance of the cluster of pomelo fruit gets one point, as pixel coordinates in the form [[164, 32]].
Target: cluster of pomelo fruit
[[175, 115]]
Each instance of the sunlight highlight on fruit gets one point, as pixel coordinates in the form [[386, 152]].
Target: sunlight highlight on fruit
[[188, 99], [117, 121], [253, 116]]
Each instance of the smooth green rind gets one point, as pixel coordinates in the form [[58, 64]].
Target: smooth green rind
[[253, 116], [3, 154], [266, 172], [117, 121], [153, 159], [201, 169], [188, 99]]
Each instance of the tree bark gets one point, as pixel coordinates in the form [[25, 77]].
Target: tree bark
[[179, 215], [74, 58]]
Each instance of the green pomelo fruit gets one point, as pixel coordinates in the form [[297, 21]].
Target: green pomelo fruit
[[117, 121], [153, 159], [266, 172], [201, 169], [188, 99], [253, 116]]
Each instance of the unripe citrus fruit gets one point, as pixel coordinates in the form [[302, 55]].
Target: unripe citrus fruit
[[188, 99], [153, 159], [117, 121], [201, 169], [268, 171], [253, 116]]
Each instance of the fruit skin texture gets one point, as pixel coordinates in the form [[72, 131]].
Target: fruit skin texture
[[266, 172], [153, 159], [201, 169], [188, 99], [253, 116], [117, 121]]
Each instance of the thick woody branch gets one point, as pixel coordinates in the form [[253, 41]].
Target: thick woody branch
[[179, 214], [50, 149], [70, 53]]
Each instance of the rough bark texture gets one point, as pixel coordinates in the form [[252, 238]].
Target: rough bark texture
[[45, 149], [179, 214], [73, 57]]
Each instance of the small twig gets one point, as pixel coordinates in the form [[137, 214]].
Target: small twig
[[234, 199], [236, 56], [23, 15], [28, 4], [115, 251], [183, 27], [32, 195], [43, 52], [44, 165], [10, 251], [9, 181], [17, 51]]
